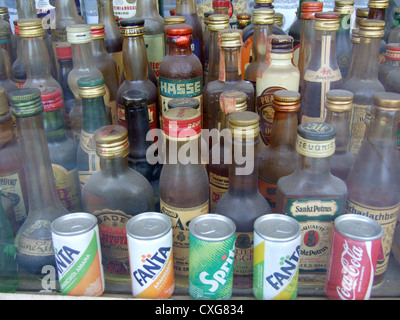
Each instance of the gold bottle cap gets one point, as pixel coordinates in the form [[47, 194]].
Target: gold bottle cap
[[362, 13], [344, 6], [233, 101], [339, 100], [30, 28], [230, 38], [278, 19], [4, 106], [378, 4], [327, 21], [111, 142], [91, 87], [218, 22], [3, 10], [263, 1], [98, 31], [371, 28], [174, 20], [132, 27], [245, 124], [79, 34], [286, 100], [355, 38], [389, 101], [263, 16], [243, 16]]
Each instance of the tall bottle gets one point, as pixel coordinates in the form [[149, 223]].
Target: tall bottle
[[372, 182], [33, 240], [322, 73], [279, 158], [243, 203], [392, 58], [18, 69], [183, 182], [115, 194], [364, 82], [64, 58], [280, 74]]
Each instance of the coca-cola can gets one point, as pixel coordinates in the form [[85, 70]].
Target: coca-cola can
[[356, 243]]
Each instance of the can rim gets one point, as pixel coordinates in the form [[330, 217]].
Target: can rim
[[230, 224], [278, 217], [356, 235], [60, 228], [140, 218]]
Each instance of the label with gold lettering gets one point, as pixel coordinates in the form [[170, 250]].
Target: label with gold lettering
[[218, 186], [88, 145], [357, 127], [244, 253], [181, 218], [68, 189], [11, 189]]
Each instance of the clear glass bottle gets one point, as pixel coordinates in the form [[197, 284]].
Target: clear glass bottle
[[391, 62], [33, 240], [243, 203], [355, 41], [314, 197], [339, 107], [364, 82], [279, 158], [26, 9], [115, 194], [373, 186], [322, 73], [18, 67], [280, 74]]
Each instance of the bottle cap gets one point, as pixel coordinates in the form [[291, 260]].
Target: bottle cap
[[111, 142], [174, 20], [25, 102], [378, 4], [182, 124], [339, 100], [316, 139], [184, 102], [218, 22], [30, 28], [286, 101], [230, 38], [181, 29], [263, 1], [233, 101], [134, 99], [263, 16], [221, 3], [52, 99], [244, 16], [91, 87], [344, 6], [327, 21], [281, 43], [355, 39], [98, 31], [64, 51], [309, 8], [278, 19], [4, 107], [244, 125], [79, 34], [389, 101], [371, 28], [362, 13], [393, 51], [132, 27]]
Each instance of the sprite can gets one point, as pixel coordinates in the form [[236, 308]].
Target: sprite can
[[211, 257]]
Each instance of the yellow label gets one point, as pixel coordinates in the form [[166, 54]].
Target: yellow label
[[357, 127], [218, 186], [67, 184]]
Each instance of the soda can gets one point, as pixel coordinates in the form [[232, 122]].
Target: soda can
[[277, 239], [77, 251], [211, 257], [356, 244], [150, 255]]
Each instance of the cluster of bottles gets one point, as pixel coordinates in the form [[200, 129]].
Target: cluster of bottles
[[113, 119]]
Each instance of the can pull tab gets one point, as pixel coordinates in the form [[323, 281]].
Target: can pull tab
[[282, 228]]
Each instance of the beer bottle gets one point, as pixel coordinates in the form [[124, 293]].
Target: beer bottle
[[170, 21]]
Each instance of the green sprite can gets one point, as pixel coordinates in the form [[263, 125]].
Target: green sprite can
[[211, 257]]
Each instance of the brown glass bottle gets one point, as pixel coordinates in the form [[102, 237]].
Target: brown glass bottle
[[170, 21]]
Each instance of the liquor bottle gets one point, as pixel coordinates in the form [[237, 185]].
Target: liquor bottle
[[170, 21], [243, 20], [12, 176], [229, 78], [392, 58], [180, 68], [279, 158], [91, 91], [183, 182], [355, 41], [18, 67], [217, 167], [5, 80], [377, 10], [62, 151], [322, 73], [263, 20], [339, 107], [64, 58], [243, 203], [115, 194], [107, 65], [33, 240], [314, 197], [188, 9], [6, 35], [364, 82], [373, 187], [136, 70], [280, 74]]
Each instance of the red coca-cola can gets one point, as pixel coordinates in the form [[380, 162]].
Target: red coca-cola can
[[356, 244]]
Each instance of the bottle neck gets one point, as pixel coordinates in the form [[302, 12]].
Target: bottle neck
[[94, 114], [135, 59], [137, 122], [82, 56], [341, 122], [183, 153], [367, 63], [284, 130], [229, 65], [106, 11], [383, 129], [185, 7], [26, 9], [314, 169], [179, 48], [260, 42], [36, 57], [66, 14], [147, 8], [114, 167], [214, 54], [281, 58], [324, 49], [98, 47], [375, 13], [54, 125]]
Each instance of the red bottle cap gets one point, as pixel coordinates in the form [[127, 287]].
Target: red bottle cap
[[309, 8], [179, 29], [64, 52], [52, 100], [182, 124]]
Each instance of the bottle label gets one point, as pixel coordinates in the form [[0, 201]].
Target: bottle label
[[11, 189], [218, 187], [124, 9], [316, 218], [68, 189], [244, 250], [268, 191], [357, 127], [181, 218], [155, 48], [152, 115], [246, 55], [387, 218], [27, 244], [88, 145]]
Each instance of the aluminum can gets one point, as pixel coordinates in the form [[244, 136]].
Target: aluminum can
[[277, 239], [211, 257], [356, 244], [77, 251], [150, 255]]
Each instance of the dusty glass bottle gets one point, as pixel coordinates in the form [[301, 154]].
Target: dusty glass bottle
[[339, 106], [373, 180], [279, 158], [280, 74], [33, 240], [64, 58], [115, 194], [322, 73], [170, 21], [62, 151], [243, 203], [183, 182], [392, 58], [229, 78], [314, 197], [364, 82], [18, 67]]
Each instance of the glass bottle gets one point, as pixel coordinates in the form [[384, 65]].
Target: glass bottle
[[12, 176], [373, 180], [124, 9], [33, 240], [217, 167], [263, 20], [188, 9], [279, 158], [92, 91], [136, 70], [364, 82], [18, 67], [391, 81], [170, 21], [243, 203], [62, 151], [392, 58], [339, 106], [183, 182], [154, 36], [322, 73], [5, 80], [314, 197], [280, 74], [115, 194], [180, 68], [377, 10], [355, 41], [229, 78], [26, 9], [221, 6], [6, 36], [64, 58]]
